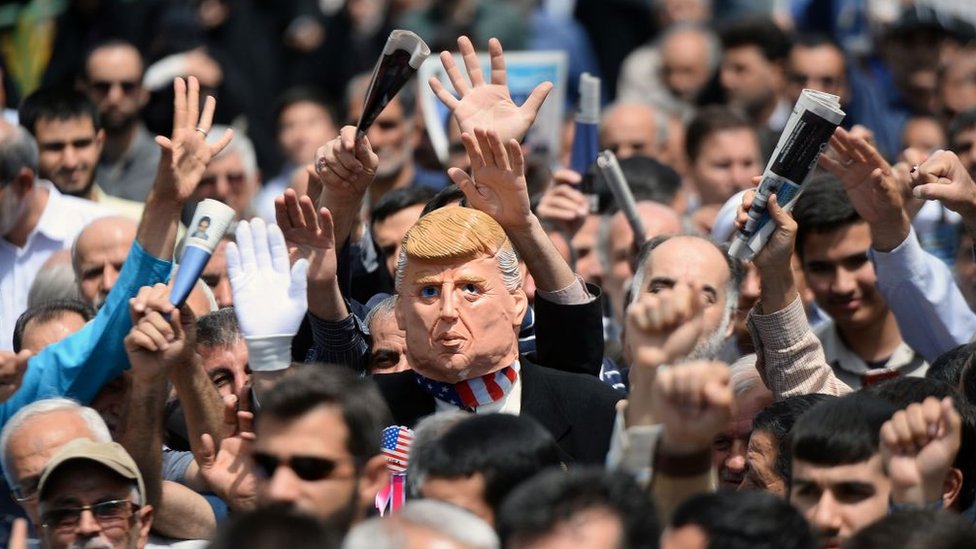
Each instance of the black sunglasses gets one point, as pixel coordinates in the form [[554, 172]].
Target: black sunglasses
[[307, 468], [105, 86]]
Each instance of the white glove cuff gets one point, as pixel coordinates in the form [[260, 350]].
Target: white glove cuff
[[269, 353]]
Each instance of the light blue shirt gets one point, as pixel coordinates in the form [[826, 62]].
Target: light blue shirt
[[931, 311], [78, 366]]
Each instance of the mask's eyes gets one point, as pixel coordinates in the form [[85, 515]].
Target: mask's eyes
[[471, 288], [429, 291]]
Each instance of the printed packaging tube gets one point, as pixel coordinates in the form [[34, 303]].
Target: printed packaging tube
[[402, 56], [614, 176], [815, 117], [210, 222], [586, 134]]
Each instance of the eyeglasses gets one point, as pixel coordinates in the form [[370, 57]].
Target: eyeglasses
[[108, 514], [307, 468], [105, 86], [826, 82], [234, 178]]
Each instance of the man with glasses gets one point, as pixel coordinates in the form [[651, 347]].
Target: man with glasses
[[91, 494], [113, 82], [317, 447], [232, 177]]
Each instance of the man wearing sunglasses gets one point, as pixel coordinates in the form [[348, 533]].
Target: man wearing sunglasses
[[113, 82], [91, 494], [317, 447]]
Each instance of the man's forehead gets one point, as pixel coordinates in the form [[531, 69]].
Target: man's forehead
[[689, 258], [863, 472], [52, 126], [421, 269]]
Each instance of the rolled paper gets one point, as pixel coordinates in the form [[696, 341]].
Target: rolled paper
[[210, 222], [402, 56], [586, 134], [614, 176], [807, 133]]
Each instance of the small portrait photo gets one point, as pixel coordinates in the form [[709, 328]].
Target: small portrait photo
[[201, 230]]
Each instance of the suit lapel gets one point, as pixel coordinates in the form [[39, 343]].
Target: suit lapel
[[541, 402]]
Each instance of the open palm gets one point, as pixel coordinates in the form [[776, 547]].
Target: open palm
[[487, 105]]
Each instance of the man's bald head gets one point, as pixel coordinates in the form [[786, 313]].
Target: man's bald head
[[620, 252], [630, 129], [689, 56], [98, 255]]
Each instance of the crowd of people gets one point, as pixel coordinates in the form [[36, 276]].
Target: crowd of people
[[391, 350]]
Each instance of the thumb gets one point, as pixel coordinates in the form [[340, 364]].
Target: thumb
[[537, 98], [207, 453], [230, 410], [462, 180], [234, 270], [299, 279]]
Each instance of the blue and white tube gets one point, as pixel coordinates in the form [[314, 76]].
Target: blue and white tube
[[210, 221], [814, 118], [586, 137]]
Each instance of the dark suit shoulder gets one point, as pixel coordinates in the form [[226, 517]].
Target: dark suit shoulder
[[578, 409], [407, 401]]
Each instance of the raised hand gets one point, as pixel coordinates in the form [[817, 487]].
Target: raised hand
[[498, 188], [308, 234], [161, 336], [227, 470], [487, 105], [185, 154], [12, 368], [918, 446], [942, 177], [345, 167], [872, 187], [269, 292], [694, 403], [563, 203], [778, 252], [664, 327]]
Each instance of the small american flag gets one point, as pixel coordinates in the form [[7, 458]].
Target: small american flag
[[396, 447]]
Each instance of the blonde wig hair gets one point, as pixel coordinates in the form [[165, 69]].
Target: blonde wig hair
[[458, 233]]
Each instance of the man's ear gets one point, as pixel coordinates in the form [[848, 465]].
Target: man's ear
[[399, 314], [951, 488], [521, 306], [374, 475], [100, 140], [145, 514], [24, 182]]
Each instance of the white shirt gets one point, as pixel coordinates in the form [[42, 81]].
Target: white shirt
[[63, 218]]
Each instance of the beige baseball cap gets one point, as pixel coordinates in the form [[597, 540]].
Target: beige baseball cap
[[110, 454]]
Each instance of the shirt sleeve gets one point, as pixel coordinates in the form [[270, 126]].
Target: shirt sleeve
[[931, 311], [789, 356], [78, 366], [339, 342]]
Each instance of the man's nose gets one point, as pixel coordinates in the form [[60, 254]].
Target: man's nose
[[283, 486], [448, 308], [109, 276]]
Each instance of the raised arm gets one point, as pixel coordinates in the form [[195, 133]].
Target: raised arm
[[920, 290], [498, 188], [789, 356], [79, 365], [338, 338]]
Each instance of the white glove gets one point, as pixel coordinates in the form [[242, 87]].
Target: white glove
[[270, 298]]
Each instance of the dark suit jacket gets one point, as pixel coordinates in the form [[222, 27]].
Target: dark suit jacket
[[577, 409]]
